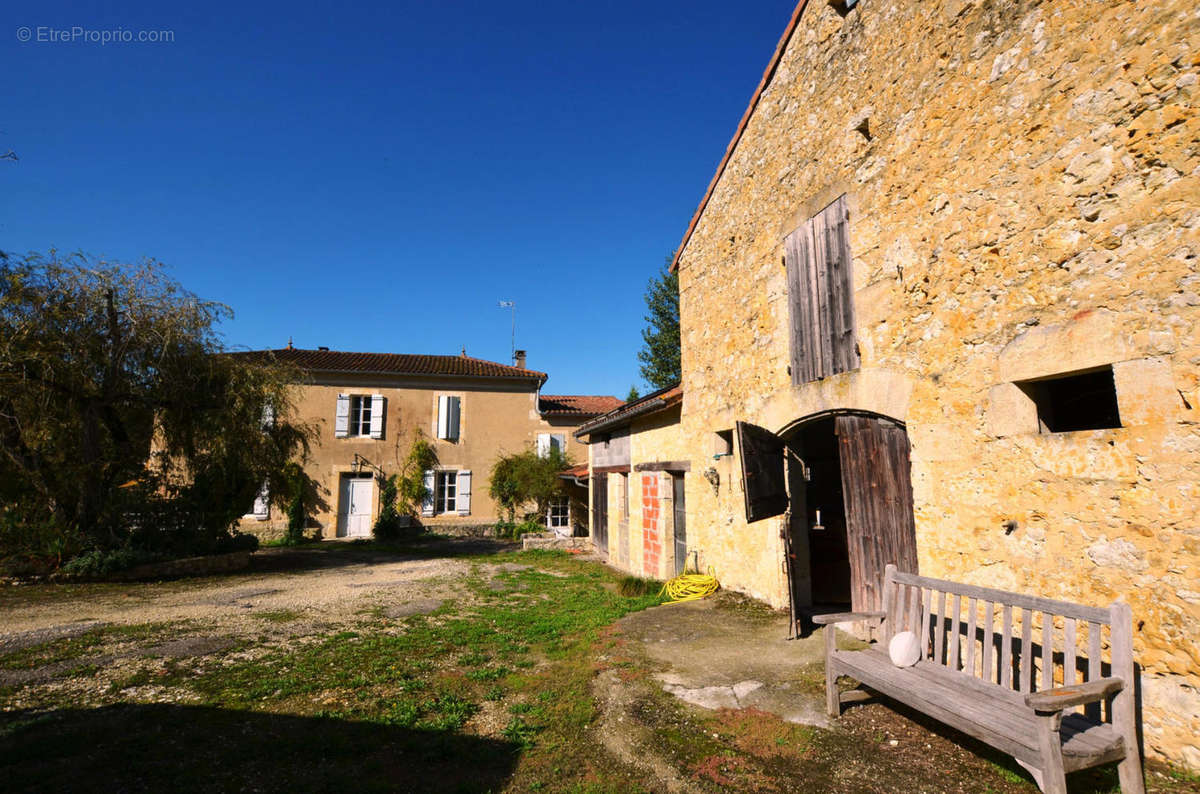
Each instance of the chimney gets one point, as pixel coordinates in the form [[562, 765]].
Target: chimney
[[519, 359]]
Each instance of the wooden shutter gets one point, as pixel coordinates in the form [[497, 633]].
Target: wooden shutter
[[762, 472], [427, 502], [543, 445], [341, 421], [376, 416], [803, 306], [464, 492], [843, 355], [821, 295]]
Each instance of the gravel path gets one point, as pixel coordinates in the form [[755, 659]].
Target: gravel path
[[325, 586]]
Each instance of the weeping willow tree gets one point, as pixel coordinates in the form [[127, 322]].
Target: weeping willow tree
[[121, 417]]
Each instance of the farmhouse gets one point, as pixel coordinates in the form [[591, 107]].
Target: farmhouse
[[368, 409], [943, 291]]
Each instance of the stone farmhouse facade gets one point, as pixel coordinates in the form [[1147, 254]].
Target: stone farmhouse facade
[[944, 294], [369, 407]]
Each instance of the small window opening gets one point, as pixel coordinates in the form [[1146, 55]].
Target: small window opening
[[843, 7], [722, 444], [1079, 401]]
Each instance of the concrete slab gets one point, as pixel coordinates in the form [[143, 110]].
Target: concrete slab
[[718, 655]]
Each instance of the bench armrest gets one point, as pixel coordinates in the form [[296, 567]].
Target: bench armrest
[[1061, 698], [844, 617]]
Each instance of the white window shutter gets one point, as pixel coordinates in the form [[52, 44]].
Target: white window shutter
[[454, 408], [341, 420], [427, 502], [443, 422], [464, 492], [262, 504], [543, 445], [376, 416]]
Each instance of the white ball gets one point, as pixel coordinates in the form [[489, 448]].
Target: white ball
[[905, 649]]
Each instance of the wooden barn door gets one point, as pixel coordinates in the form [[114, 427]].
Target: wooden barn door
[[877, 488], [600, 512]]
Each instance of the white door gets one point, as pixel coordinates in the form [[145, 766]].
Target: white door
[[354, 507]]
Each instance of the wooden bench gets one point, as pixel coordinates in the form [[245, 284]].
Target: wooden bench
[[1040, 705]]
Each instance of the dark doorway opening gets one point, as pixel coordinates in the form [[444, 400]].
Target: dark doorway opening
[[818, 520]]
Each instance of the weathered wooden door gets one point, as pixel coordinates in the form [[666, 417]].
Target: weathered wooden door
[[680, 515], [877, 489], [600, 512]]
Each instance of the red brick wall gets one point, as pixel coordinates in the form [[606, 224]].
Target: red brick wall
[[651, 525]]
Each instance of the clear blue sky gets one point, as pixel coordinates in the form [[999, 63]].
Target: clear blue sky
[[378, 179]]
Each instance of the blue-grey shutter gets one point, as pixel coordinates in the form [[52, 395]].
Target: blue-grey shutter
[[341, 420], [464, 492], [427, 502], [376, 416]]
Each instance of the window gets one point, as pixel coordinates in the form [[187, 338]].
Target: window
[[549, 441], [359, 415], [447, 491], [559, 515], [449, 414], [1079, 401], [722, 444], [820, 296]]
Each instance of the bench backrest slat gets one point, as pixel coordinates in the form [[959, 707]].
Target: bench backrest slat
[[939, 628], [972, 610], [1006, 648], [1070, 662], [1025, 663], [1046, 681]]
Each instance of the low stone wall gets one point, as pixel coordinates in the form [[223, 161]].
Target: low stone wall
[[463, 530], [548, 540]]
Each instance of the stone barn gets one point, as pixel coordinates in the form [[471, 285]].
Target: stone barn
[[943, 292]]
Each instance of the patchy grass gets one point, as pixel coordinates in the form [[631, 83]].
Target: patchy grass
[[90, 642], [279, 615], [631, 586]]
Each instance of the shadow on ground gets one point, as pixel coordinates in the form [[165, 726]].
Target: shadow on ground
[[337, 554], [191, 748]]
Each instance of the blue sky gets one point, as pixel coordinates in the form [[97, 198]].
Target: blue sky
[[378, 178]]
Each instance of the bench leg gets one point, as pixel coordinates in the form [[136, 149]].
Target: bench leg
[[832, 702], [1054, 778]]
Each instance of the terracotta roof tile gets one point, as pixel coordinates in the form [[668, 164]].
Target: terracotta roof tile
[[577, 404], [393, 363]]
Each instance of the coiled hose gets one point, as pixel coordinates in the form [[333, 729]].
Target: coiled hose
[[690, 587]]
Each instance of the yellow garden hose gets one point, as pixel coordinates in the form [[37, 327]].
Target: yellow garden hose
[[690, 587]]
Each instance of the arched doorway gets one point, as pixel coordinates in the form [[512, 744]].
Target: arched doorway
[[842, 479]]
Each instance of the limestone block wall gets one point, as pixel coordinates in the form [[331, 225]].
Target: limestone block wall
[[1024, 188]]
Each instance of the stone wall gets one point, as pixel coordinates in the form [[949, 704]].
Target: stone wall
[[1024, 189]]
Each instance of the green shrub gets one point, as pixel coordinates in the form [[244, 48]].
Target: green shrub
[[388, 526], [511, 530], [102, 562]]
